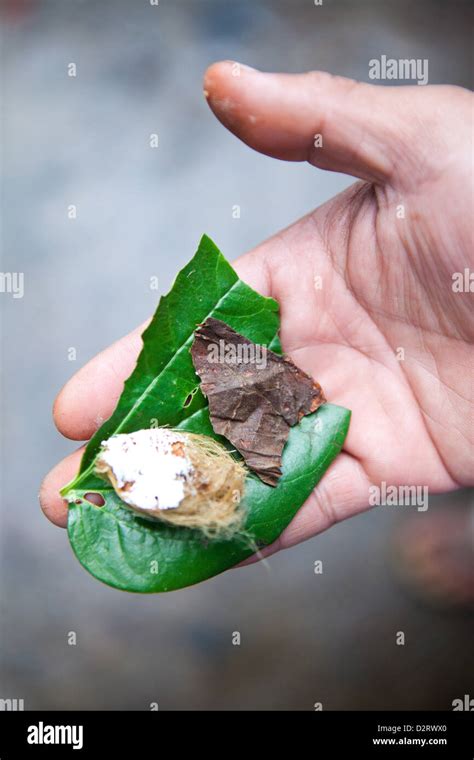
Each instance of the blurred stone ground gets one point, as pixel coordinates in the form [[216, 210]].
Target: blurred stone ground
[[306, 638]]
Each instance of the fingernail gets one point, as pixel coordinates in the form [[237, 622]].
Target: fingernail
[[244, 66]]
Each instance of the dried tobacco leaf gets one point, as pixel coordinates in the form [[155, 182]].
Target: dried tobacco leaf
[[254, 394]]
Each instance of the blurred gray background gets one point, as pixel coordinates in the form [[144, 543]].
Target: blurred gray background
[[305, 638]]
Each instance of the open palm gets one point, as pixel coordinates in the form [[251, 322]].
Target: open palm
[[364, 283]]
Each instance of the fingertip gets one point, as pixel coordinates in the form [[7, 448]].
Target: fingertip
[[219, 72], [213, 75], [68, 423], [54, 507], [60, 417], [262, 109], [225, 90]]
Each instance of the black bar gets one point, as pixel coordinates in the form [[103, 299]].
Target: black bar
[[154, 734]]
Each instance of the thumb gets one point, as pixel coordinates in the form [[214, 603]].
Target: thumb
[[332, 122]]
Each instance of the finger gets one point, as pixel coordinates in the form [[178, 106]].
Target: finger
[[53, 506], [91, 395], [332, 122], [342, 492]]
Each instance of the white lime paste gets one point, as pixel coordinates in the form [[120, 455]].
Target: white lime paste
[[145, 461]]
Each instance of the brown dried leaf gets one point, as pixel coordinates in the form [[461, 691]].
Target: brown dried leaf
[[254, 395]]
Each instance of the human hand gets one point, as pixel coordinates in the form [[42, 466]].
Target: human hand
[[364, 283]]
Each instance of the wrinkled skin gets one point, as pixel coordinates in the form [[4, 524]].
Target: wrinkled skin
[[364, 283]]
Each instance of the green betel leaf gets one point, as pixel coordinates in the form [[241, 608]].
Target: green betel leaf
[[134, 553]]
